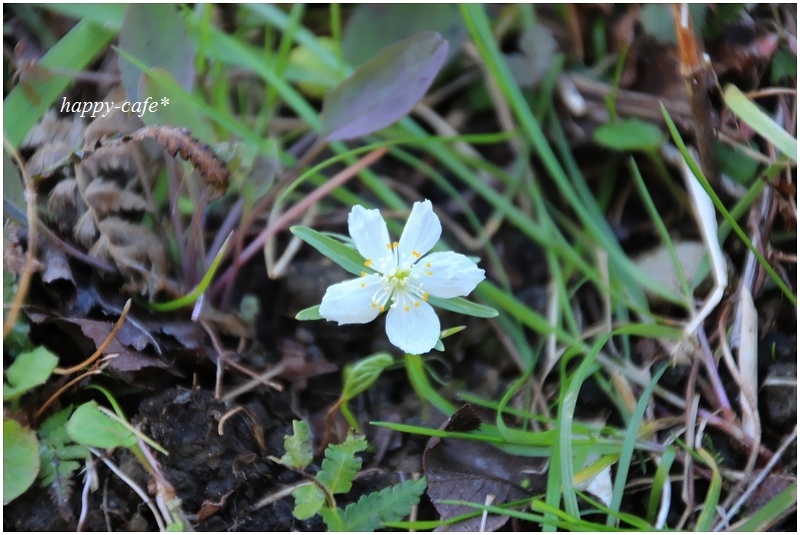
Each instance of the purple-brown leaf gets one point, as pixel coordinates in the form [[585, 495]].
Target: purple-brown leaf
[[384, 89]]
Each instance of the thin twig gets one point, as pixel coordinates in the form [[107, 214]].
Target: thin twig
[[27, 273]]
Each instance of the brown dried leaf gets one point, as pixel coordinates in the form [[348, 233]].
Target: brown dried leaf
[[471, 471]]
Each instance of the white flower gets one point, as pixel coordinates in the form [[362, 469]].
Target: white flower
[[403, 280]]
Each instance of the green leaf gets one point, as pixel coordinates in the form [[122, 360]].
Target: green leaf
[[309, 314], [299, 451], [360, 375], [29, 370], [308, 500], [347, 257], [341, 464], [156, 35], [384, 89], [20, 459], [462, 306], [31, 98], [58, 454], [629, 134], [389, 505], [92, 427], [759, 121]]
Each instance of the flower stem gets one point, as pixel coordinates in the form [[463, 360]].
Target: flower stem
[[415, 368]]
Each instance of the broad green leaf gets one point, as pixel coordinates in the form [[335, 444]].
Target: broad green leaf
[[373, 26], [462, 306], [92, 427], [629, 134], [156, 35], [308, 314], [345, 256], [388, 505], [759, 121], [360, 375], [299, 451], [31, 98], [29, 370], [384, 89], [308, 500], [341, 464], [20, 459]]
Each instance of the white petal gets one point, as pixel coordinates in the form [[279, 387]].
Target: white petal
[[421, 232], [448, 274], [351, 301], [369, 233], [415, 330]]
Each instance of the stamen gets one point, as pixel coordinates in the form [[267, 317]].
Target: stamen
[[381, 308], [407, 309], [395, 245], [389, 246], [368, 262], [428, 265], [430, 273], [425, 296], [363, 273], [417, 255], [416, 303], [363, 284]]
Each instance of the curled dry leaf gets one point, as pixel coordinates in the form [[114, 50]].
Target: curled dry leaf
[[106, 197]]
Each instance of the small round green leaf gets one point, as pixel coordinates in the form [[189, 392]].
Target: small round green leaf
[[629, 134], [29, 370], [20, 459], [92, 427]]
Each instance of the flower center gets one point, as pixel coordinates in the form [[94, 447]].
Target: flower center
[[399, 282]]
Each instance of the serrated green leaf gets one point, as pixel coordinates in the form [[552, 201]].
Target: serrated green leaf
[[341, 464], [20, 459], [92, 427], [629, 134], [29, 370], [391, 504], [299, 451], [309, 314], [347, 257], [759, 121], [360, 375], [333, 519], [462, 306], [308, 500]]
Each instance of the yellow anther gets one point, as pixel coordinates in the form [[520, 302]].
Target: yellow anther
[[428, 265], [388, 245], [381, 308], [430, 273], [407, 309], [363, 273], [425, 296], [416, 303], [417, 255], [368, 262], [395, 245], [363, 284], [374, 305]]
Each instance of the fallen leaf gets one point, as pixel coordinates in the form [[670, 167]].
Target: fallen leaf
[[471, 470]]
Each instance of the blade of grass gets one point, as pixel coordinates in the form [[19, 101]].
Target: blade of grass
[[721, 207], [30, 98], [759, 121]]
